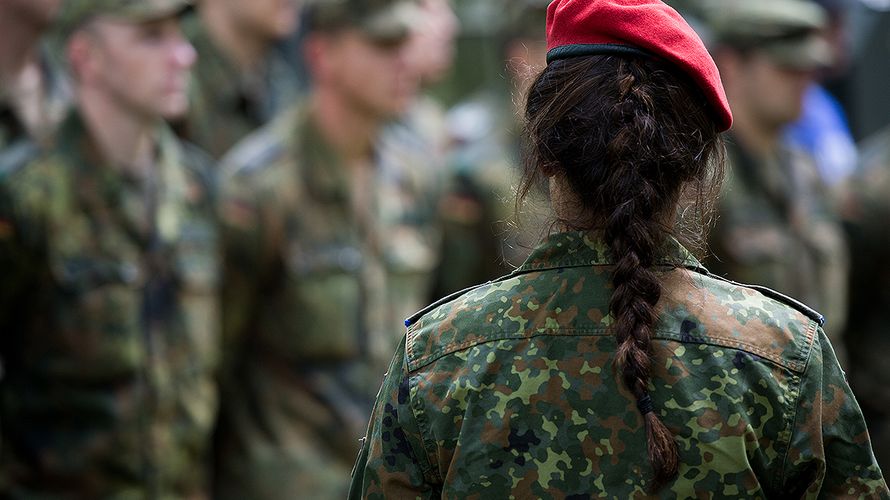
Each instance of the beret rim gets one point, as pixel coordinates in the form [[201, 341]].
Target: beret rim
[[594, 49]]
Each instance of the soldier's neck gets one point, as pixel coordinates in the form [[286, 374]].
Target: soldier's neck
[[124, 139], [243, 50], [347, 130]]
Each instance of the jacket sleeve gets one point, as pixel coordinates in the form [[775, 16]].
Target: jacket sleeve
[[393, 462], [243, 259], [829, 453]]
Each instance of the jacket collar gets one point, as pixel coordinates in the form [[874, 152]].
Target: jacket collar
[[583, 249]]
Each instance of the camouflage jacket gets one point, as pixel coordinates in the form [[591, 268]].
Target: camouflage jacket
[[109, 317], [315, 281], [777, 226], [225, 105], [509, 391]]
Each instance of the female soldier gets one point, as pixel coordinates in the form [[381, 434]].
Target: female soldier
[[612, 363]]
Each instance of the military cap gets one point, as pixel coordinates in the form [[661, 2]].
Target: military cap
[[788, 31], [75, 13], [641, 28], [383, 20]]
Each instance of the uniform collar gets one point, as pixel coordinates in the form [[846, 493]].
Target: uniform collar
[[323, 168], [584, 249]]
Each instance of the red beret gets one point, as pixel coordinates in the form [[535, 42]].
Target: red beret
[[640, 27]]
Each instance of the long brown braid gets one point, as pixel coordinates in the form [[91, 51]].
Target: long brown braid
[[634, 145]]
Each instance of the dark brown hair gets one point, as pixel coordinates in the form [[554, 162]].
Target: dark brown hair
[[640, 151]]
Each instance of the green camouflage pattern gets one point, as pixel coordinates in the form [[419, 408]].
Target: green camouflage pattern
[[110, 324], [225, 104], [777, 226], [509, 391], [316, 283], [866, 210]]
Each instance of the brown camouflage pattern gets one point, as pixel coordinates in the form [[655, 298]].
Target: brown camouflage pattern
[[509, 392]]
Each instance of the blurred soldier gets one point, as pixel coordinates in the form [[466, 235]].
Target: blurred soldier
[[239, 83], [866, 211], [108, 300], [776, 225], [33, 95], [317, 226], [478, 243], [432, 58]]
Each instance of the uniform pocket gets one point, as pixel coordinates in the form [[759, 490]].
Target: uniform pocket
[[97, 312], [322, 310]]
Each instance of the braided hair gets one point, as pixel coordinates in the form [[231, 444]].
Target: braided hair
[[643, 161]]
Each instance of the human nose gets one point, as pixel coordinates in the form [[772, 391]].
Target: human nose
[[184, 55]]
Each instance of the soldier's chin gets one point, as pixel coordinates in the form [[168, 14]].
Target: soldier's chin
[[175, 110]]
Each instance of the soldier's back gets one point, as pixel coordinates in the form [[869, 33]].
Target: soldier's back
[[510, 390]]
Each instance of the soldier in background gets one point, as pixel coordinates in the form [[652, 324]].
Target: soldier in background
[[776, 224], [476, 209], [866, 210], [317, 225], [108, 300], [239, 83], [33, 94]]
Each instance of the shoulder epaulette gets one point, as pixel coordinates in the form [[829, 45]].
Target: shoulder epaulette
[[252, 155], [17, 155], [788, 301]]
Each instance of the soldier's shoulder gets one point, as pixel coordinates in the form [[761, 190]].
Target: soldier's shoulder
[[16, 156], [199, 166], [473, 316], [701, 308]]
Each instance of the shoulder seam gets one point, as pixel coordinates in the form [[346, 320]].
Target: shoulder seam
[[812, 333], [807, 311], [413, 319], [415, 363]]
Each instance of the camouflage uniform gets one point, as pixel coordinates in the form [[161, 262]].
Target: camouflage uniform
[[866, 211], [52, 108], [109, 313], [777, 226], [509, 391], [225, 104], [313, 288]]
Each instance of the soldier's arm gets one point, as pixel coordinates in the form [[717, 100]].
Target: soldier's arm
[[829, 453], [392, 462]]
